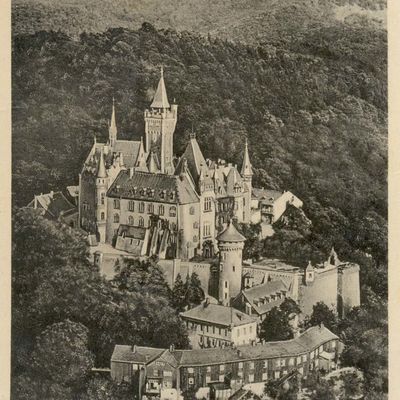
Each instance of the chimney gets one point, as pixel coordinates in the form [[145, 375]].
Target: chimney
[[51, 194], [131, 172], [321, 325], [171, 348], [134, 348], [239, 353]]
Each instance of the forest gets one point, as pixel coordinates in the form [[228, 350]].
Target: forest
[[313, 107]]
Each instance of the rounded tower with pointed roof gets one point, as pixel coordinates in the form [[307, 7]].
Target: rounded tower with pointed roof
[[160, 121], [230, 245]]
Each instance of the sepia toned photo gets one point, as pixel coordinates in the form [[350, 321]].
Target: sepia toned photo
[[199, 200]]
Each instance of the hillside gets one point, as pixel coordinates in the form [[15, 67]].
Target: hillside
[[249, 21], [314, 111]]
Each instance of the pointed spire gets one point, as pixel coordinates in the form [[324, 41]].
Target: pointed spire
[[152, 163], [112, 130], [160, 99], [246, 166], [101, 172]]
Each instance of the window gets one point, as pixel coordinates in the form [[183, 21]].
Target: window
[[240, 365], [283, 363], [226, 284], [226, 295], [251, 365], [304, 358], [150, 208], [221, 378], [130, 220], [102, 216], [191, 210], [116, 204], [226, 332], [167, 373], [298, 360], [251, 378], [265, 376], [240, 373], [207, 203], [312, 355], [277, 374], [190, 370], [131, 205], [141, 221], [233, 268], [250, 329], [196, 225], [161, 210], [172, 211], [222, 367], [278, 363], [291, 361], [102, 198], [116, 218], [208, 379], [206, 229], [333, 344], [265, 363], [141, 207], [191, 381]]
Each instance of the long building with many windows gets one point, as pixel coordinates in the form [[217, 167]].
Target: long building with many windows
[[156, 370]]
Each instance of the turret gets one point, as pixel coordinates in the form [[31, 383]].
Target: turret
[[230, 244], [101, 201], [247, 175], [160, 122], [112, 130]]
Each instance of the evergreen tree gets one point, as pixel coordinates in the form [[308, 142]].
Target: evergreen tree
[[323, 314], [276, 326], [194, 294], [178, 294]]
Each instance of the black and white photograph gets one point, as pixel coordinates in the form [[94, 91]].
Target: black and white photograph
[[199, 200]]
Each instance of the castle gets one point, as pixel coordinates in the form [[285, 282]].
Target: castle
[[137, 196]]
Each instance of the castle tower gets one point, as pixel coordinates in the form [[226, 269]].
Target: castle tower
[[247, 174], [101, 201], [112, 130], [230, 244], [160, 122]]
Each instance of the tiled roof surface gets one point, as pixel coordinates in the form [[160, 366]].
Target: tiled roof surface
[[263, 290], [218, 315], [135, 232], [230, 234], [153, 187], [141, 355], [266, 195], [306, 342], [129, 150], [55, 203], [195, 159], [160, 99]]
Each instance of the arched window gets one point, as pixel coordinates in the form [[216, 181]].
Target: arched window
[[172, 211], [130, 220], [102, 216], [161, 210], [141, 207], [150, 208], [131, 205], [102, 198], [116, 217], [191, 210], [141, 221], [116, 204]]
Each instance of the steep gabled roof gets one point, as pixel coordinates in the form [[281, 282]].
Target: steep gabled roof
[[55, 204], [194, 158]]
